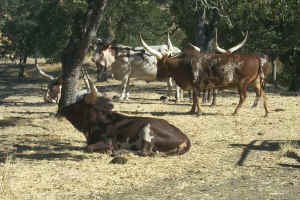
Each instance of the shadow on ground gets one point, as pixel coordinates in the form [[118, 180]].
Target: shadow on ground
[[40, 147], [268, 145]]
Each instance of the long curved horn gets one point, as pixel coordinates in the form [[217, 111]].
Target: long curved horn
[[44, 74], [195, 48], [232, 49], [90, 98], [170, 46], [154, 52], [219, 49]]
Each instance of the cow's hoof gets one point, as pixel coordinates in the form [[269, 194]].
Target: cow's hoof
[[116, 98], [192, 111], [119, 160], [164, 98], [90, 149]]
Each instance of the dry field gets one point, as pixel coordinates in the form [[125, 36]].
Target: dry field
[[231, 158]]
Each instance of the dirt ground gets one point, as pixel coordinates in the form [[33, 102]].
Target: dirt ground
[[231, 158]]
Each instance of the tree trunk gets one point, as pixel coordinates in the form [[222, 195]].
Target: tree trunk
[[74, 54], [205, 39], [205, 30]]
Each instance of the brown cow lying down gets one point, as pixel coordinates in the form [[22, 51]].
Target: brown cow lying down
[[109, 131]]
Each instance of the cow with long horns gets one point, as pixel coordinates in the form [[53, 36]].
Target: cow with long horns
[[127, 62], [256, 85], [111, 132], [211, 70], [53, 92]]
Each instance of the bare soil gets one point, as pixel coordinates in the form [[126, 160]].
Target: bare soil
[[231, 158]]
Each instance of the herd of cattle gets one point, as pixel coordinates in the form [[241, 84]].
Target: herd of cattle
[[193, 70]]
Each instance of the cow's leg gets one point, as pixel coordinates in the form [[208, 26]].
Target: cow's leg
[[190, 93], [265, 102], [242, 88], [214, 96], [195, 106], [256, 87], [127, 89], [179, 94], [147, 143], [209, 94], [260, 93], [169, 85], [101, 147], [124, 85], [204, 96]]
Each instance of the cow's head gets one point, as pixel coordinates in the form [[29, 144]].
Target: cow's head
[[163, 71], [53, 93], [104, 54]]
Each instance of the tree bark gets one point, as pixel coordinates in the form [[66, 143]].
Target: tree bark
[[83, 31], [205, 30], [205, 39]]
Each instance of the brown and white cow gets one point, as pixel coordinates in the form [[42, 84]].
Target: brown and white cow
[[109, 131], [211, 70], [265, 65]]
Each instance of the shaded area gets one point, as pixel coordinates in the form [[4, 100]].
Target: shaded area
[[24, 104], [267, 145], [195, 187], [40, 147], [13, 121]]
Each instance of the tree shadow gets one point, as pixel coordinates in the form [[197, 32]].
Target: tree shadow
[[25, 104], [41, 147], [267, 145]]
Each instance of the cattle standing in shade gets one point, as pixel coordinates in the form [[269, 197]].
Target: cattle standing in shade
[[127, 62], [211, 70], [53, 91], [109, 131]]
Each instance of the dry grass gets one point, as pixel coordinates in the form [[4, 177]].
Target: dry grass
[[6, 170], [232, 157]]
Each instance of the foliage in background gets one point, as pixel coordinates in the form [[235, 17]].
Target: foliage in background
[[131, 17], [43, 27], [272, 25]]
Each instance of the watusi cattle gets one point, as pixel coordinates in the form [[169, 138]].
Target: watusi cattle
[[126, 63], [211, 70], [109, 131]]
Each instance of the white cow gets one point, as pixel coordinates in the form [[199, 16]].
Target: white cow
[[127, 62]]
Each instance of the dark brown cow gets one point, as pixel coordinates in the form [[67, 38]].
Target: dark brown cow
[[109, 131], [211, 70]]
